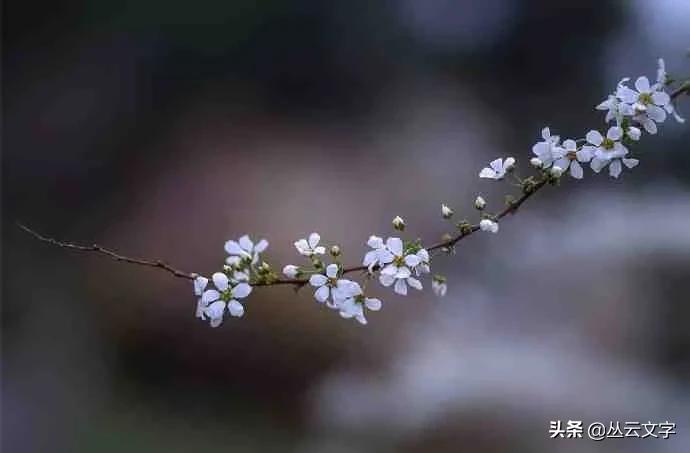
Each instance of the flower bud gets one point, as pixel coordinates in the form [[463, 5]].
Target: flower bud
[[536, 162], [479, 203], [556, 171], [335, 251], [446, 212], [439, 285], [264, 267], [398, 223], [488, 225], [291, 271]]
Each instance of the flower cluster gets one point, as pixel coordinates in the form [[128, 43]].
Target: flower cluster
[[397, 263], [234, 283], [335, 292], [645, 106]]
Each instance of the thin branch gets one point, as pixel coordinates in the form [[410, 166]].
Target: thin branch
[[109, 253], [512, 207]]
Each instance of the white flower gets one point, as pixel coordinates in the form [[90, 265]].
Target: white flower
[[398, 223], [545, 149], [488, 225], [244, 248], [446, 212], [214, 299], [497, 168], [439, 287], [649, 102], [607, 151], [571, 158], [379, 256], [352, 302], [329, 285], [479, 202], [616, 109], [399, 270], [536, 162], [311, 246]]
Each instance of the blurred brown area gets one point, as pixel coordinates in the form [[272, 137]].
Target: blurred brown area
[[162, 129]]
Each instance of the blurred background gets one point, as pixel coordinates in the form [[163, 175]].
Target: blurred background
[[164, 128]]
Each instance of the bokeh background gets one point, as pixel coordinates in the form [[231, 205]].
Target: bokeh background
[[164, 128]]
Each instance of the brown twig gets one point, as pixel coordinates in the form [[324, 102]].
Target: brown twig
[[113, 255]]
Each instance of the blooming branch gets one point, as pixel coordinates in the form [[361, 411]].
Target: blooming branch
[[402, 264]]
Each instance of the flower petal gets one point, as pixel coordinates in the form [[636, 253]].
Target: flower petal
[[412, 260], [400, 287], [261, 246], [241, 291], [631, 163], [656, 113], [594, 137], [235, 308], [375, 242], [318, 280], [615, 168], [233, 248], [200, 285], [660, 98], [391, 270], [413, 282], [563, 164], [395, 245], [386, 280], [497, 165], [246, 243], [322, 294], [372, 304], [614, 133], [220, 280], [302, 247], [210, 295], [570, 145], [403, 272], [314, 239], [585, 154], [576, 170], [488, 173], [642, 84], [215, 310], [370, 258], [423, 255], [332, 271], [598, 163]]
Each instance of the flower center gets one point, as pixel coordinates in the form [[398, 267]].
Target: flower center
[[572, 155], [333, 281], [608, 144], [645, 98], [399, 261]]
